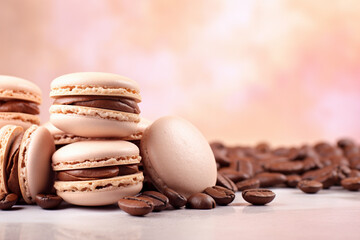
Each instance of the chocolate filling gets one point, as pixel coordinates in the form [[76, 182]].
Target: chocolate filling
[[106, 102], [96, 173], [19, 106], [12, 167]]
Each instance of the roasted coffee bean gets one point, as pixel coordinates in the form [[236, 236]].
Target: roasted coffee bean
[[292, 180], [270, 179], [234, 175], [351, 184], [224, 181], [7, 200], [248, 184], [345, 142], [328, 179], [354, 173], [310, 186], [175, 199], [313, 174], [221, 195], [262, 147], [159, 200], [244, 166], [135, 206], [311, 163], [200, 201], [48, 201], [258, 196], [220, 154], [235, 152], [281, 151], [288, 167]]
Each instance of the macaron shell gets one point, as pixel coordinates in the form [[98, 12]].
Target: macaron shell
[[62, 138], [93, 122], [74, 193], [90, 154], [8, 134], [18, 88], [19, 119], [95, 83], [177, 155], [140, 128], [35, 154]]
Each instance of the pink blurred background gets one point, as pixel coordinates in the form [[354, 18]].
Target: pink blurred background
[[242, 71]]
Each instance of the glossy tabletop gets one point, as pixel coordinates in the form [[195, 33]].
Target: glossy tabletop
[[330, 214]]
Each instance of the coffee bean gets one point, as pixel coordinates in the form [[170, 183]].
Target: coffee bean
[[286, 167], [258, 196], [262, 147], [248, 184], [7, 200], [244, 166], [221, 195], [135, 206], [345, 142], [270, 179], [351, 184], [200, 201], [175, 199], [159, 200], [48, 201], [317, 173], [224, 181], [311, 163], [328, 179], [233, 174], [354, 173], [310, 186], [292, 180]]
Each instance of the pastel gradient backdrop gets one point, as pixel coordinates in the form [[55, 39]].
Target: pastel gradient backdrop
[[242, 71]]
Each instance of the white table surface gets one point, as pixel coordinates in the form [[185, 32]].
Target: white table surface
[[330, 214]]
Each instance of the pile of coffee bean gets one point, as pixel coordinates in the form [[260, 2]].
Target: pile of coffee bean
[[308, 167], [153, 201]]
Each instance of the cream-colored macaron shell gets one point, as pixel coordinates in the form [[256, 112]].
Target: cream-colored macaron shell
[[99, 192], [90, 154], [36, 149], [93, 122], [95, 83], [18, 88], [8, 134], [19, 119], [61, 137], [177, 155]]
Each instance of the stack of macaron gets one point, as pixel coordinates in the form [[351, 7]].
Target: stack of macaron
[[95, 114], [25, 161], [96, 127], [19, 102], [25, 148]]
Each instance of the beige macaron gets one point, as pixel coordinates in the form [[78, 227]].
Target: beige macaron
[[34, 163], [176, 155], [95, 173], [8, 134], [19, 100], [63, 138], [95, 104]]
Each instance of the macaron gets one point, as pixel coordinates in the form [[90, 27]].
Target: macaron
[[177, 156], [25, 158], [95, 173], [94, 104], [9, 182], [19, 102], [63, 138]]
